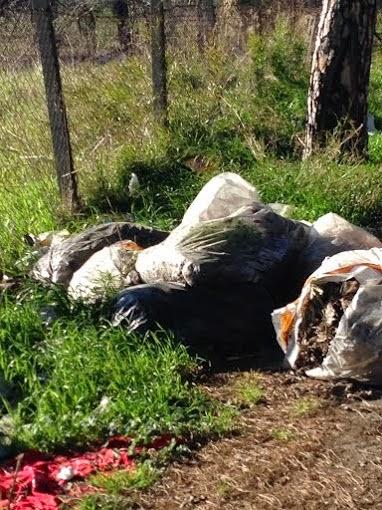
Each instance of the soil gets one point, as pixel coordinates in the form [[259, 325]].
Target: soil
[[306, 445]]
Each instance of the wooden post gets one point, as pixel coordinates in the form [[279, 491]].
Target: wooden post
[[158, 61], [121, 11], [66, 175]]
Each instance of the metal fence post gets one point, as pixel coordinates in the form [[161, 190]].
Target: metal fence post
[[158, 60], [66, 175]]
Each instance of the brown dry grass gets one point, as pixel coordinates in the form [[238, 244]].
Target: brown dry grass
[[306, 445]]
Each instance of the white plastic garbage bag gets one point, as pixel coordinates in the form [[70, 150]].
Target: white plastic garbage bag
[[341, 233], [220, 197], [329, 235], [282, 209], [227, 234], [342, 337], [106, 271]]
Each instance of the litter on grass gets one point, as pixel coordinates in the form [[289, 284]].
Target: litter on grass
[[229, 250]]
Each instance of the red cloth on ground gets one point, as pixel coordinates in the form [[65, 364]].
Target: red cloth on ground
[[41, 478]]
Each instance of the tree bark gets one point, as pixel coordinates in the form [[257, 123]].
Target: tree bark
[[337, 101]]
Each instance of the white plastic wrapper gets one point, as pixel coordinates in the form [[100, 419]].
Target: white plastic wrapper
[[341, 232], [106, 271], [355, 351], [284, 210]]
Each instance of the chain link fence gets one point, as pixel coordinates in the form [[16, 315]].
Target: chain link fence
[[103, 95]]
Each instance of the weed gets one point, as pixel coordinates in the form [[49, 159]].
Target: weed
[[249, 391], [120, 482], [283, 435], [105, 502], [305, 406], [223, 488]]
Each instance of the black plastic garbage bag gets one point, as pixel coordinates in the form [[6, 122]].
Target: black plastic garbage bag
[[220, 323]]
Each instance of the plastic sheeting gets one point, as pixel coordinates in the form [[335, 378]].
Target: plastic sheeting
[[218, 322], [37, 481], [252, 245], [220, 197]]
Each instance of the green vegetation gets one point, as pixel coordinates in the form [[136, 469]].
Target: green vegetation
[[122, 481], [305, 406], [120, 487], [283, 435], [223, 488], [249, 391], [105, 502], [78, 379]]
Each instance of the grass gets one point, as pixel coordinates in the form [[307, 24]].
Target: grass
[[118, 488], [283, 435], [249, 391], [243, 113], [61, 375], [105, 502], [124, 481], [305, 406], [223, 488]]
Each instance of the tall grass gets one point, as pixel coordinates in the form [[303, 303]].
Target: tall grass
[[242, 111]]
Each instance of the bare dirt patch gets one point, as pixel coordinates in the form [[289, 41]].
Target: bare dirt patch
[[303, 445]]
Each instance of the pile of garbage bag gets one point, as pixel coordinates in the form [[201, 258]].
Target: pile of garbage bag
[[218, 276], [65, 257]]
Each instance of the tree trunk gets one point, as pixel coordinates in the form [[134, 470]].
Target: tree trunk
[[340, 73]]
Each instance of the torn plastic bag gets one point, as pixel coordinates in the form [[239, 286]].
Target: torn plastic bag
[[253, 245], [104, 272], [214, 322], [334, 329], [220, 197], [332, 234], [65, 258]]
